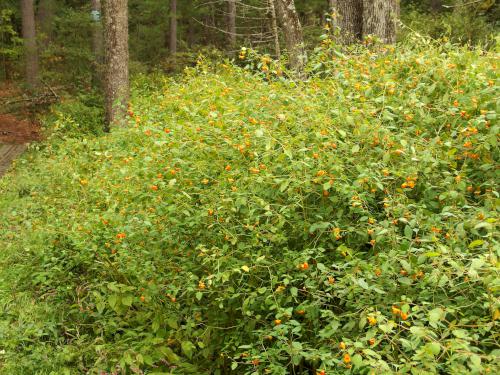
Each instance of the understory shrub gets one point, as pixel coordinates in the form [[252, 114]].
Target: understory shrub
[[240, 225]]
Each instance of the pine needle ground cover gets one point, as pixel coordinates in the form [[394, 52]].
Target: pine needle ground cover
[[255, 226]]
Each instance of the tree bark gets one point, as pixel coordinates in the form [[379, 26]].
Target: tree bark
[[172, 44], [44, 20], [374, 18], [348, 17], [231, 22], [97, 43], [29, 37], [393, 12], [116, 56], [294, 40], [274, 28], [380, 19]]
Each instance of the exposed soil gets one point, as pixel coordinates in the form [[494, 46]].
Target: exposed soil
[[7, 154], [16, 131]]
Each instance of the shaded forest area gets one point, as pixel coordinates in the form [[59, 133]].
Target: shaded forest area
[[66, 45]]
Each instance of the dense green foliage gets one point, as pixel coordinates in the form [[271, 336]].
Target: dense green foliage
[[247, 224]]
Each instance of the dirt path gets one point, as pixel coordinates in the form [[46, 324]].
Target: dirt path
[[15, 135], [7, 154]]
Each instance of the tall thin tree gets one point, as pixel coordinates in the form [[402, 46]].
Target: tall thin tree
[[116, 56], [347, 16], [29, 37], [274, 28], [45, 21], [231, 22], [97, 42], [294, 40], [172, 44], [380, 19]]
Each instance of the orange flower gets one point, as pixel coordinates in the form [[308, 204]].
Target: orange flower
[[371, 341], [347, 358], [371, 320], [404, 316], [342, 345], [143, 298], [121, 236], [228, 168], [154, 187], [320, 173], [277, 322], [304, 266]]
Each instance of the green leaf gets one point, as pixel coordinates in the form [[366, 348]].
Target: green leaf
[[408, 232], [435, 315], [433, 348], [169, 353], [475, 244], [113, 300], [172, 323], [127, 300], [187, 348], [357, 360]]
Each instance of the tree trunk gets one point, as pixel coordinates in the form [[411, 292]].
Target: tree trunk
[[44, 19], [29, 37], [393, 12], [380, 19], [116, 53], [294, 40], [274, 27], [172, 45], [97, 43], [347, 15], [231, 22]]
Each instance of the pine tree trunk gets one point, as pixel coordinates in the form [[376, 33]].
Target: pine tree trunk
[[231, 22], [348, 17], [116, 53], [274, 28], [294, 40], [172, 45], [393, 12], [44, 20], [380, 19], [374, 18], [29, 37], [97, 43]]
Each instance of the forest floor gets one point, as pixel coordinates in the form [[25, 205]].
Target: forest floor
[[15, 132]]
